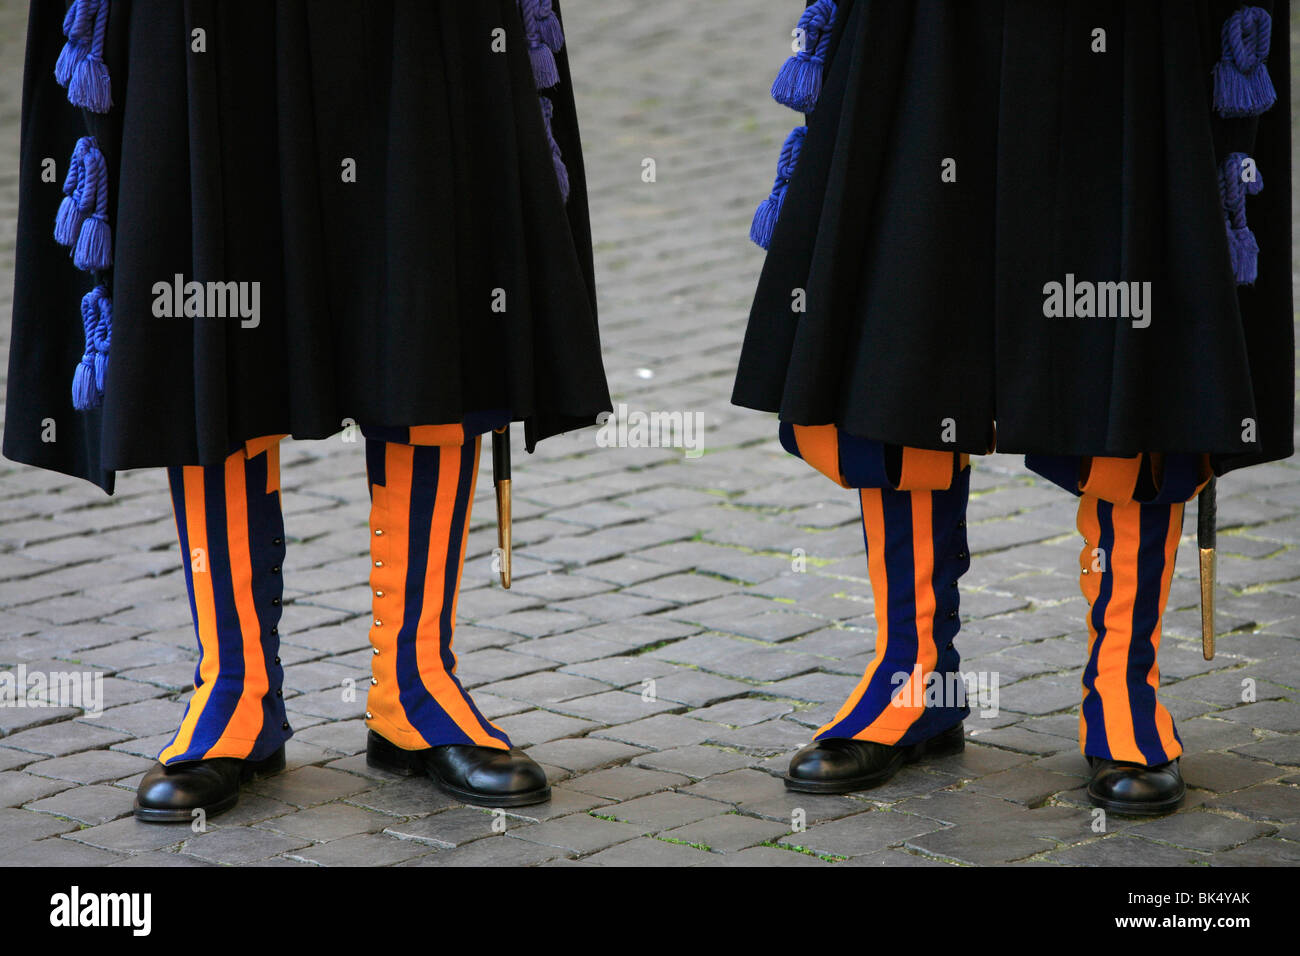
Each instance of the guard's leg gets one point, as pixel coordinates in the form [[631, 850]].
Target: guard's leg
[[422, 721], [232, 545], [421, 497], [911, 699]]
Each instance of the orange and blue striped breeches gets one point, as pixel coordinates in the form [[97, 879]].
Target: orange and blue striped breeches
[[914, 523], [229, 521]]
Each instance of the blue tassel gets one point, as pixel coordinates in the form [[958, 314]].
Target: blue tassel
[[84, 394], [538, 17], [1242, 86], [76, 27], [71, 54], [67, 224], [545, 73], [557, 160], [769, 210], [94, 249], [798, 85], [89, 85], [87, 382], [1243, 248], [548, 26], [103, 338]]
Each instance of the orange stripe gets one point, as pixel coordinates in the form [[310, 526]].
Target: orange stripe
[[1112, 479], [383, 701], [1090, 584], [428, 646], [196, 527], [873, 522], [437, 434], [925, 470], [1112, 665], [245, 723], [1164, 720], [819, 445], [894, 721]]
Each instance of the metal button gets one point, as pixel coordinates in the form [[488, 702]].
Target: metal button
[[379, 594], [379, 564], [378, 532]]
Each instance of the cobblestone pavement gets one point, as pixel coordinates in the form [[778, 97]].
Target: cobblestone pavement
[[637, 565]]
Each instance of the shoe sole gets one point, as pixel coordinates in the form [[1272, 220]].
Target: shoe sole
[[404, 763], [272, 764], [1131, 808], [943, 745]]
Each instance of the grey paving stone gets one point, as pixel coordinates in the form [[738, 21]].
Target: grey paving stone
[[583, 753], [698, 761], [661, 811], [1261, 852], [309, 786], [1200, 830], [448, 829], [92, 766], [540, 726], [330, 821], [239, 845], [659, 732], [861, 833], [62, 738], [1125, 851], [624, 783], [743, 712], [57, 851], [727, 832], [91, 805], [129, 834], [615, 707], [765, 856], [18, 787], [362, 849], [649, 852], [502, 851], [23, 826], [579, 833], [1267, 801], [1223, 772]]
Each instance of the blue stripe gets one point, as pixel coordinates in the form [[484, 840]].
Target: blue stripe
[[266, 524], [225, 692], [1153, 528], [1093, 715]]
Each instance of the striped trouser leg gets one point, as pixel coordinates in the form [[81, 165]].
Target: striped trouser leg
[[419, 521], [916, 551], [232, 541], [1126, 569]]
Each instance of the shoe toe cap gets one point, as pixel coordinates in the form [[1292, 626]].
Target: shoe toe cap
[[822, 762]]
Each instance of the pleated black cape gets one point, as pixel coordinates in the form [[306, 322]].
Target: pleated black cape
[[380, 299], [924, 298]]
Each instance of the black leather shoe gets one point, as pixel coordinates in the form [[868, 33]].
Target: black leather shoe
[[841, 765], [171, 793], [1136, 789], [482, 776]]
